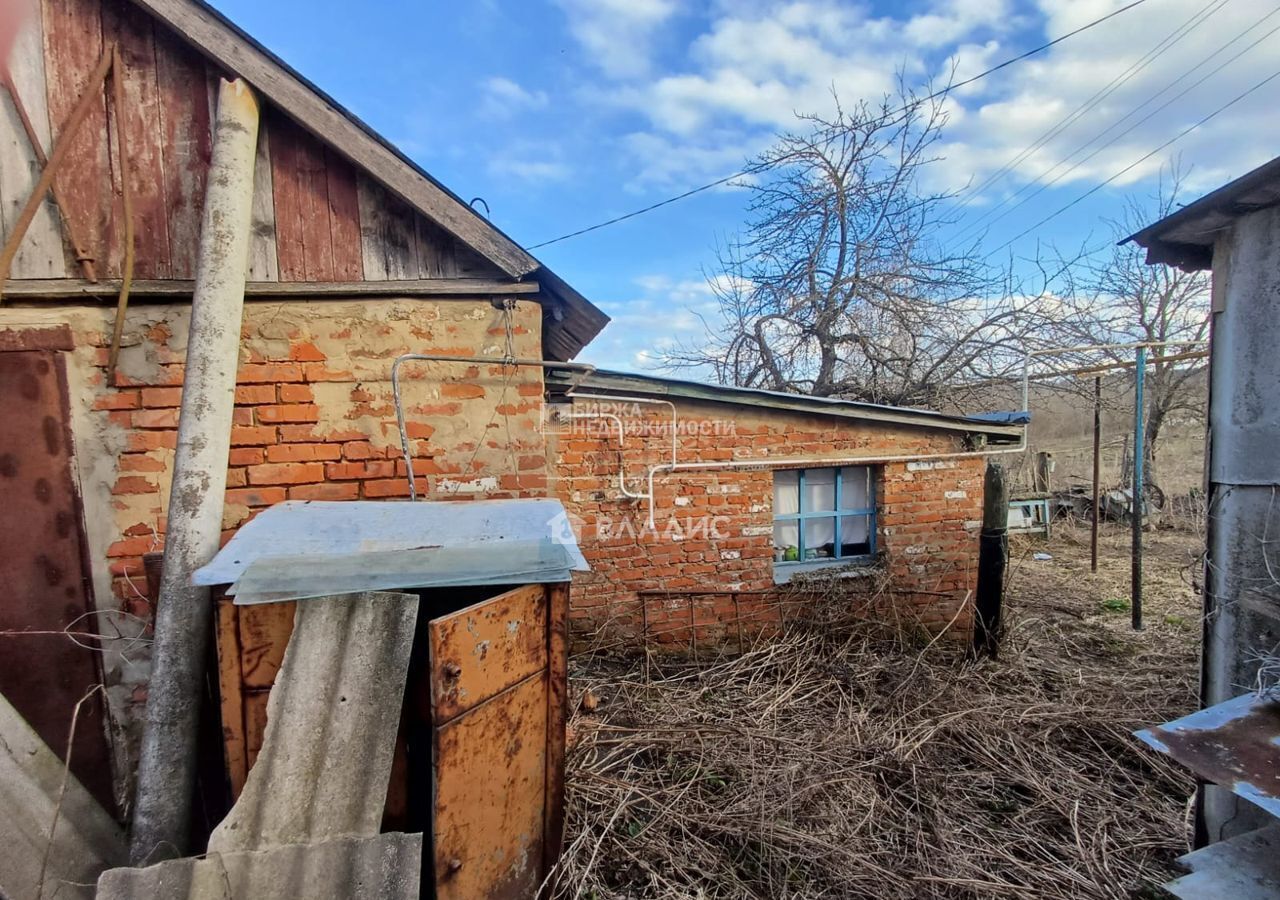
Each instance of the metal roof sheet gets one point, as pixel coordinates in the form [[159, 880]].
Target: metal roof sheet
[[502, 535], [1002, 425], [1185, 238], [1235, 744]]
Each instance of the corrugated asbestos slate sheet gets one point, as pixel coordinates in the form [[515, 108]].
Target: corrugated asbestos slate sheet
[[386, 866], [332, 717], [1244, 868], [87, 840]]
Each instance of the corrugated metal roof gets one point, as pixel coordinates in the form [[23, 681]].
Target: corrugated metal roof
[[321, 529], [86, 841], [1235, 744], [1244, 868], [1185, 238], [332, 716], [1001, 426], [386, 866]]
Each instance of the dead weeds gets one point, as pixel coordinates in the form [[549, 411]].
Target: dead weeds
[[832, 763]]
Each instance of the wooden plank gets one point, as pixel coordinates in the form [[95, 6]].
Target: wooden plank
[[201, 25], [286, 195], [344, 219], [436, 250], [262, 235], [231, 693], [389, 244], [482, 650], [557, 719], [300, 186], [72, 48], [187, 141], [255, 725], [142, 159], [489, 769], [443, 288], [264, 634], [42, 253]]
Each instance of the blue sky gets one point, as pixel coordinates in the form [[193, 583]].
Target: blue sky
[[563, 113]]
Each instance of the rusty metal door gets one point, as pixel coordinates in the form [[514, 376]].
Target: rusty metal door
[[489, 708], [44, 583]]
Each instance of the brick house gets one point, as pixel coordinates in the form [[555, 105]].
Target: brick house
[[766, 490], [358, 256]]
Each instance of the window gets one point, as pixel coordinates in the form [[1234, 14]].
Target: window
[[824, 514]]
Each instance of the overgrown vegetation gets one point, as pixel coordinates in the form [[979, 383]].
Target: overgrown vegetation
[[835, 762]]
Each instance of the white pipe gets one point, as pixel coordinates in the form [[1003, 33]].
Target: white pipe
[[622, 484], [166, 766], [775, 462], [675, 422]]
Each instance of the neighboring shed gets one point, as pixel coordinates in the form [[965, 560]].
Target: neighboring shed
[[766, 489], [356, 256], [1235, 230]]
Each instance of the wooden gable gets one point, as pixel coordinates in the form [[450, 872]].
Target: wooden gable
[[316, 216]]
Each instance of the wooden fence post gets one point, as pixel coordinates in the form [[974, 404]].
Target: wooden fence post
[[993, 553]]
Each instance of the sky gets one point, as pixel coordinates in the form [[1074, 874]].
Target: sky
[[564, 113]]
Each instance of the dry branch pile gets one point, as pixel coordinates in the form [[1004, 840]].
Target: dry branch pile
[[826, 763]]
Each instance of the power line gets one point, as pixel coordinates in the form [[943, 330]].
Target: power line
[[1178, 96], [1198, 18], [750, 170], [1137, 162]]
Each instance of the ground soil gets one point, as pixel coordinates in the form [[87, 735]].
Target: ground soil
[[830, 764]]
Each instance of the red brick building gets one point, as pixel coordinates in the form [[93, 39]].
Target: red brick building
[[356, 257], [766, 489]]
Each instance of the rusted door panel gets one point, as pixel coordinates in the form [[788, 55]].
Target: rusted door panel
[[490, 771], [484, 649], [43, 581]]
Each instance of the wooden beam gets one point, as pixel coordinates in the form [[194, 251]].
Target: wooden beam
[[75, 289], [230, 48]]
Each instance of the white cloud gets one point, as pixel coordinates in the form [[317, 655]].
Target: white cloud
[[504, 97], [616, 34], [757, 62], [529, 169]]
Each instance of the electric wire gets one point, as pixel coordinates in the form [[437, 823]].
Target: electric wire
[[1092, 102], [1036, 187], [1137, 162], [751, 170]]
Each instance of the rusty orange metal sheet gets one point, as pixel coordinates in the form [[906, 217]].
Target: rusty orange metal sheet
[[484, 649], [490, 772]]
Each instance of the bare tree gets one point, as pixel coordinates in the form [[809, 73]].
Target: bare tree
[[1120, 299], [841, 285]]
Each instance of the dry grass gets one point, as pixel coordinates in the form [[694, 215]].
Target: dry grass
[[832, 763]]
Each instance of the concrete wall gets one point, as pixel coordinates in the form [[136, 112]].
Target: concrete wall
[[714, 529], [314, 420], [1242, 597]]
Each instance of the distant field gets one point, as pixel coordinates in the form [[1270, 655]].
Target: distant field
[[1062, 424]]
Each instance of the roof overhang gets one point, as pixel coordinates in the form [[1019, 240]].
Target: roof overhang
[[1185, 238], [606, 382]]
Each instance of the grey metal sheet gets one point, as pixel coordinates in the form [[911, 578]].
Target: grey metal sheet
[[332, 718], [386, 866], [86, 841], [1244, 868], [271, 579], [326, 529], [1235, 744]]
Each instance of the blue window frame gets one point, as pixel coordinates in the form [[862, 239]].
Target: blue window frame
[[824, 514]]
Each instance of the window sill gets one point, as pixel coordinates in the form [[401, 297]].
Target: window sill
[[858, 567]]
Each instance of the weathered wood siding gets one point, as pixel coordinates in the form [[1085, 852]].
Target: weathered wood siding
[[316, 218]]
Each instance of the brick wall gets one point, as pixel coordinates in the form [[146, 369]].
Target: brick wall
[[314, 420], [714, 529]]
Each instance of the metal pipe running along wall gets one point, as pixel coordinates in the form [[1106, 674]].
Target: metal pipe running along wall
[[166, 766]]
